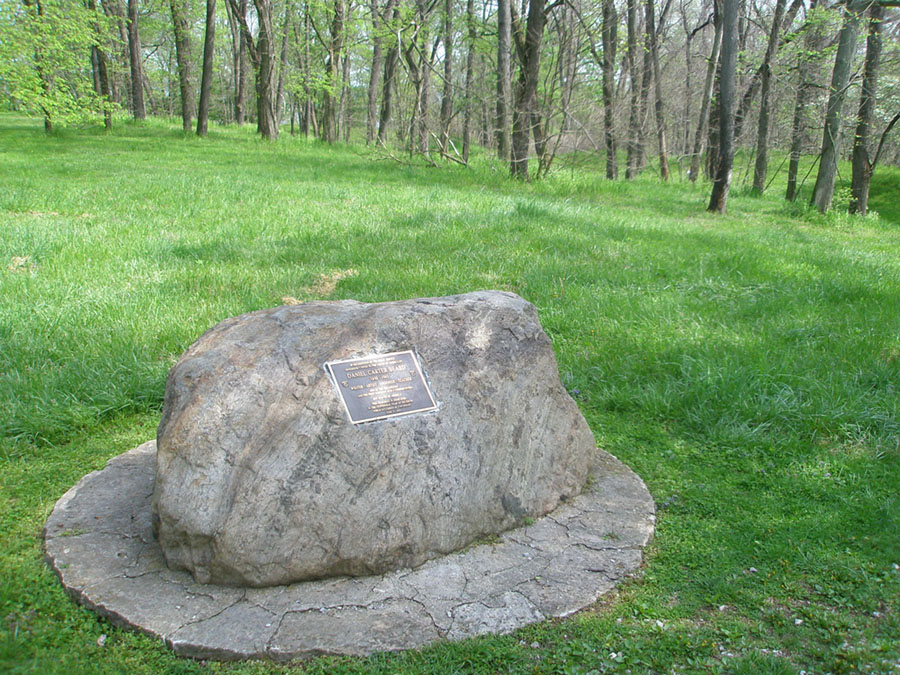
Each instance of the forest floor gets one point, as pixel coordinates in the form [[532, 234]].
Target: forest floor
[[746, 366]]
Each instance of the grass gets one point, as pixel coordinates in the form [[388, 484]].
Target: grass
[[748, 367]]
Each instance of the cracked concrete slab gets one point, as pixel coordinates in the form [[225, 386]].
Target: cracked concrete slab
[[98, 540]]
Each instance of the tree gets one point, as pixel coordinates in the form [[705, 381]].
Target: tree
[[333, 72], [135, 59], [262, 54], [209, 43], [762, 136], [722, 179], [863, 166], [823, 192], [609, 41], [179, 9], [706, 99], [504, 77], [651, 31], [447, 94], [391, 59], [809, 54], [45, 53], [374, 74], [528, 49]]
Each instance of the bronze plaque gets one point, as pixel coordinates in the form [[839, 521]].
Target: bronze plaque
[[380, 386]]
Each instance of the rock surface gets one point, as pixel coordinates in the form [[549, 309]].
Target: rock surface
[[99, 542], [262, 479]]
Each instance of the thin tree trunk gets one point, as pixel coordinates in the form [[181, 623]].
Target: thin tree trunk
[[863, 167], [344, 116], [632, 161], [179, 11], [331, 103], [135, 58], [762, 133], [823, 192], [526, 87], [282, 64], [98, 57], [390, 68], [658, 105], [470, 78], [504, 79], [722, 181], [812, 43], [374, 75], [447, 94], [609, 36], [209, 43]]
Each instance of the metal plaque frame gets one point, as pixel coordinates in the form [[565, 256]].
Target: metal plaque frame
[[381, 386]]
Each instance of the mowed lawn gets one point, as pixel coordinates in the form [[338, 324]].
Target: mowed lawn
[[747, 367]]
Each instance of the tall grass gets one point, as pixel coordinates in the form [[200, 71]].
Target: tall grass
[[747, 366]]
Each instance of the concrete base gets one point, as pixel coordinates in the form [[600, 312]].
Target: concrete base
[[98, 540]]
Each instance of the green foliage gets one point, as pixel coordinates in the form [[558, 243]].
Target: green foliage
[[746, 366], [45, 58]]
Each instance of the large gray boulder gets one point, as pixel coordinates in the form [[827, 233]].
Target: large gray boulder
[[262, 479]]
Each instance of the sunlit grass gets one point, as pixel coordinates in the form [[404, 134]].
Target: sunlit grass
[[747, 367]]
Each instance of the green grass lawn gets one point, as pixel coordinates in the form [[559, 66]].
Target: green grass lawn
[[747, 367]]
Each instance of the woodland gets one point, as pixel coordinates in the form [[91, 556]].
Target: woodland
[[666, 86]]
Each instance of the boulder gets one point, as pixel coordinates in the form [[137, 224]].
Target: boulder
[[262, 478]]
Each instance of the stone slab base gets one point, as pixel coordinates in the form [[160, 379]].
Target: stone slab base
[[98, 541]]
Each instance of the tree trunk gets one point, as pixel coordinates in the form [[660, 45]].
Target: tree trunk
[[331, 103], [179, 11], [470, 78], [705, 101], [135, 58], [526, 86], [812, 43], [863, 167], [634, 126], [101, 79], [823, 192], [722, 181], [344, 114], [658, 104], [447, 94], [504, 77], [282, 64], [390, 68], [374, 75], [609, 37], [762, 133], [209, 43]]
